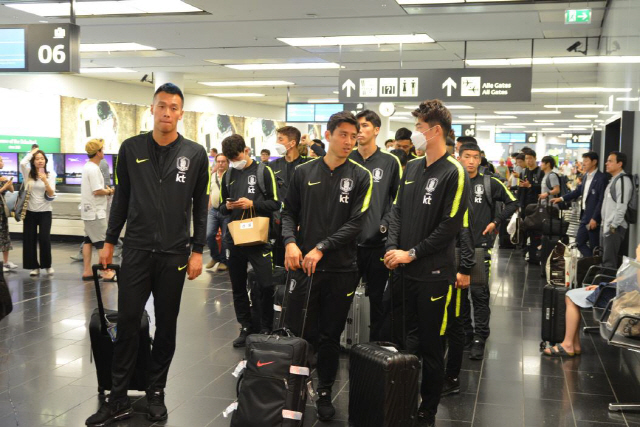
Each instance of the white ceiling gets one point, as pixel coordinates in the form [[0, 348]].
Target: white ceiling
[[246, 31]]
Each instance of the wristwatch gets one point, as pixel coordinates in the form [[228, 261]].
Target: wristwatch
[[383, 229], [320, 247], [412, 254]]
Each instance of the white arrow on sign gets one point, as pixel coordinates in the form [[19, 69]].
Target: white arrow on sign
[[582, 15], [575, 138], [449, 83], [349, 86]]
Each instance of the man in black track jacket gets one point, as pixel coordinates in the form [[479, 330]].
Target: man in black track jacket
[[484, 223], [323, 213], [160, 177], [426, 217], [243, 189], [386, 172]]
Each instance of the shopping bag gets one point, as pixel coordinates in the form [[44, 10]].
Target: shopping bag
[[250, 231]]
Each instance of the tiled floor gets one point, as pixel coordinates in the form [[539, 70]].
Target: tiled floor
[[47, 376]]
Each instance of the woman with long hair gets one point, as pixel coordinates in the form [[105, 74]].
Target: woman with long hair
[[41, 187]]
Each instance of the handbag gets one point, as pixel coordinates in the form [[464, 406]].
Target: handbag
[[250, 231], [22, 201]]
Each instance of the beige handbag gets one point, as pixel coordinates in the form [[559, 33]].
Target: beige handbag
[[250, 231]]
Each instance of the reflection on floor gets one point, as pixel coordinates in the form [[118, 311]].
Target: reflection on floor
[[47, 377]]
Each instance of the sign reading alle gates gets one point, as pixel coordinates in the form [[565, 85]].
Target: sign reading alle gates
[[458, 84], [40, 48], [577, 16], [20, 144]]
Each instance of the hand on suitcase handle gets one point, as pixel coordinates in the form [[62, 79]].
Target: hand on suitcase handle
[[106, 255]]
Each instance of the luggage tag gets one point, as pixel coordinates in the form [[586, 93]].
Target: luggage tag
[[112, 329], [230, 409], [311, 392], [239, 368]]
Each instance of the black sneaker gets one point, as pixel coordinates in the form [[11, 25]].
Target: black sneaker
[[242, 338], [451, 386], [325, 408], [477, 350], [156, 409], [110, 412], [468, 340], [425, 419]]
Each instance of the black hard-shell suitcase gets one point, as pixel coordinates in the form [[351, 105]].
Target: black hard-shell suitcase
[[102, 344], [383, 386], [553, 314]]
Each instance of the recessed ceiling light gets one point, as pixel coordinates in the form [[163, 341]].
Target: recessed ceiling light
[[608, 112], [449, 107], [533, 124], [586, 116], [236, 95], [566, 121], [486, 116], [560, 60], [562, 129], [285, 66], [581, 90], [528, 112], [96, 70], [628, 99], [510, 127], [248, 83], [357, 40], [323, 101], [553, 131], [575, 106], [335, 92], [575, 126], [113, 47], [98, 7], [466, 122]]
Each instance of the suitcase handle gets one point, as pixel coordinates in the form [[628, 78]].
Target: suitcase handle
[[281, 326], [96, 282]]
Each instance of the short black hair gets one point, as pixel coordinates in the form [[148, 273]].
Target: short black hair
[[401, 155], [467, 140], [549, 160], [520, 156], [433, 112], [214, 149], [265, 151], [591, 155], [342, 117], [469, 147], [402, 134], [529, 152], [171, 89], [319, 142], [232, 146], [290, 132], [620, 157], [371, 117], [388, 141]]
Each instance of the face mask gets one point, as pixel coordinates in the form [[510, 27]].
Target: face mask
[[239, 165], [281, 149], [419, 141]]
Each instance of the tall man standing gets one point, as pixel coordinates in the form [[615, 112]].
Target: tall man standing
[[160, 176], [216, 220], [591, 191], [614, 207], [386, 172], [529, 189], [436, 190], [322, 217]]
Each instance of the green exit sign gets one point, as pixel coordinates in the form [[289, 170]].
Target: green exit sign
[[577, 16]]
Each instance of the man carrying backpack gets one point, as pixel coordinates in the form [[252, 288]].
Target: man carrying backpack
[[248, 185], [615, 220], [551, 181]]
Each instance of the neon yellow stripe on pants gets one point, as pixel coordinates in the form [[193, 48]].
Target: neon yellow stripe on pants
[[446, 308], [458, 302]]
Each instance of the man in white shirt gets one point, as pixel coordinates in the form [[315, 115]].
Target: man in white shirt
[[93, 206], [566, 168]]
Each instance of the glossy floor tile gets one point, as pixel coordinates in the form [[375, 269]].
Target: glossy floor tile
[[47, 376]]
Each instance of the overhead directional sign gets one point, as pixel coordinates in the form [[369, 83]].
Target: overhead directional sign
[[458, 84], [577, 16]]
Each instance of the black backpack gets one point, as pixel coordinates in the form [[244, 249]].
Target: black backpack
[[631, 215], [564, 189]]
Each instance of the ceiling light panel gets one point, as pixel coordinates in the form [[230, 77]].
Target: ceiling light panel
[[574, 106], [560, 60], [101, 8], [285, 66], [323, 101], [96, 70], [586, 116], [546, 113], [250, 83], [565, 121], [533, 124], [628, 99], [485, 116], [114, 47], [357, 40], [449, 107]]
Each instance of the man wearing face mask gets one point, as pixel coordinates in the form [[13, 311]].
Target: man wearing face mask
[[435, 189], [243, 188], [387, 172]]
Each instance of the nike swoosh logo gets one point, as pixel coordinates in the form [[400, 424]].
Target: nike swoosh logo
[[182, 268], [260, 364], [277, 172], [408, 182], [314, 183], [436, 299], [351, 293], [141, 161], [266, 255], [381, 259]]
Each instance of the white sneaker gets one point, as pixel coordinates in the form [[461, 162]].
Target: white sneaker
[[50, 271], [5, 269], [215, 267], [34, 272], [11, 265]]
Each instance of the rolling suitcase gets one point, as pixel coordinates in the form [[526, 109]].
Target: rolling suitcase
[[101, 328], [275, 379], [553, 314], [356, 329]]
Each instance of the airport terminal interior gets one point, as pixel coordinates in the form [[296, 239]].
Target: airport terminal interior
[[561, 78]]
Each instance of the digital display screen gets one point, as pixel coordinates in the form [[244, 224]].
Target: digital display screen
[[511, 138], [74, 163], [571, 144], [457, 129], [12, 49], [55, 163], [10, 168], [312, 113]]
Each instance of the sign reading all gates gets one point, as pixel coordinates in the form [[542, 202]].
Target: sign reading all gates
[[458, 84], [577, 16]]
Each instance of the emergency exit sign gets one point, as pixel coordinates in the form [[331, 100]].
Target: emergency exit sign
[[577, 16]]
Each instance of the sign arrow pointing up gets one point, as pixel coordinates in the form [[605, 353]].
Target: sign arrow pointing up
[[449, 83], [349, 86]]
